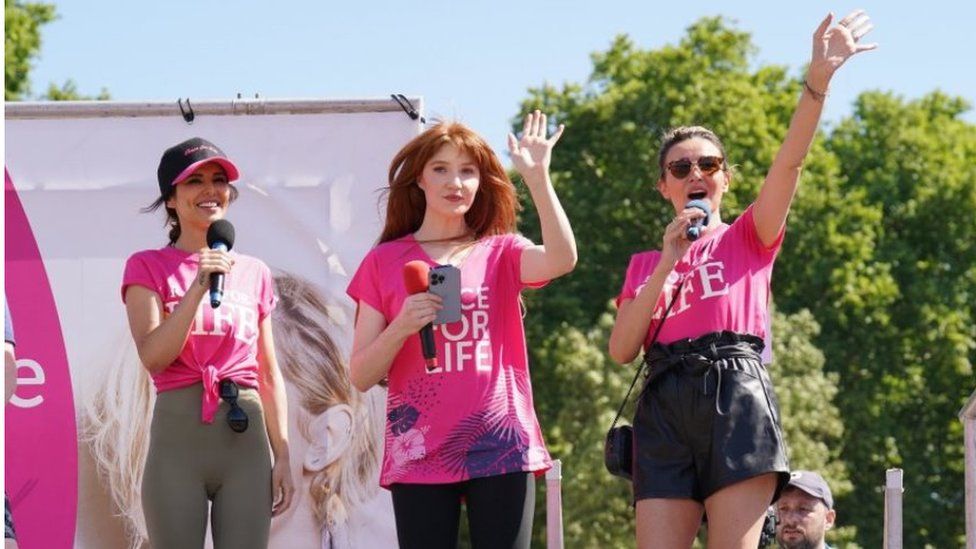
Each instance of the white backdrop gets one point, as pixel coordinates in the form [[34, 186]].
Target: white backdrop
[[312, 173]]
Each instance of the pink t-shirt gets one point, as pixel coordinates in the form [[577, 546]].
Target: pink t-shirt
[[222, 343], [472, 416], [726, 284]]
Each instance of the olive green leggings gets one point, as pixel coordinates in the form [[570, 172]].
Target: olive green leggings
[[190, 462]]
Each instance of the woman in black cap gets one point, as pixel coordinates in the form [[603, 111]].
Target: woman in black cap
[[207, 362]]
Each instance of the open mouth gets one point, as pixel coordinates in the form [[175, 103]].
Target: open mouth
[[697, 195], [210, 204]]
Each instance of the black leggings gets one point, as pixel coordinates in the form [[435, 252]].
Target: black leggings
[[500, 510]]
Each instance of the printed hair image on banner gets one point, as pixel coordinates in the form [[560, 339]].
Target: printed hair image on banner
[[334, 434], [311, 179]]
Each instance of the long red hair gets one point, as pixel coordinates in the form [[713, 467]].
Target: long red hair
[[495, 204]]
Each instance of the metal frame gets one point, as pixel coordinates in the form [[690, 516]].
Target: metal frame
[[22, 110]]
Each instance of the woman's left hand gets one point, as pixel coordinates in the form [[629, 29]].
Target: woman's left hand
[[282, 486], [533, 152], [832, 47]]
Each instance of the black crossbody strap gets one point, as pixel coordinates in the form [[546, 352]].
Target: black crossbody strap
[[640, 367]]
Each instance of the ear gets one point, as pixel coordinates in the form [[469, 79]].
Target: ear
[[830, 517], [331, 433], [662, 187]]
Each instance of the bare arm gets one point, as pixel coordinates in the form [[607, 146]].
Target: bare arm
[[160, 340], [531, 155], [376, 343], [831, 48], [274, 401], [634, 315]]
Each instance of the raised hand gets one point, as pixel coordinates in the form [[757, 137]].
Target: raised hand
[[675, 241], [533, 152], [833, 46]]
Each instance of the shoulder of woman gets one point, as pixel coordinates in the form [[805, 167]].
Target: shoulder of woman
[[150, 255], [390, 250], [648, 256], [507, 240], [250, 260]]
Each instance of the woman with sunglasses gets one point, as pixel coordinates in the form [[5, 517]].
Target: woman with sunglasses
[[707, 437], [220, 395], [465, 429]]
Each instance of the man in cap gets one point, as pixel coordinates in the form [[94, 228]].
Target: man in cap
[[804, 512]]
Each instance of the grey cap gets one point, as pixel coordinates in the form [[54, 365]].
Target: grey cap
[[813, 484]]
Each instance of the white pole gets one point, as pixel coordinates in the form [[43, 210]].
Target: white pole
[[554, 506], [968, 417], [892, 520], [969, 435]]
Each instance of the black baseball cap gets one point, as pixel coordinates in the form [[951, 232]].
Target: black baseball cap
[[179, 161], [814, 485]]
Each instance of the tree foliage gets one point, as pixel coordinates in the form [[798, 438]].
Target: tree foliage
[[22, 43], [69, 92], [876, 279], [898, 312]]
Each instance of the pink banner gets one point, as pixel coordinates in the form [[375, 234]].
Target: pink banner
[[41, 441]]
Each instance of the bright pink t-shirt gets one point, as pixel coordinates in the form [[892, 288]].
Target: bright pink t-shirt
[[726, 284], [472, 416], [222, 343]]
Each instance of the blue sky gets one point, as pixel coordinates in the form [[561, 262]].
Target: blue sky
[[472, 61]]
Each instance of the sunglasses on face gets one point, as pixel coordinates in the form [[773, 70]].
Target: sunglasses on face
[[707, 164], [236, 416]]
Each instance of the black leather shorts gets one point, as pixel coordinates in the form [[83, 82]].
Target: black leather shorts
[[706, 418]]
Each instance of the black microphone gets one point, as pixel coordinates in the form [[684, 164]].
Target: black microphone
[[220, 236], [416, 279], [695, 229]]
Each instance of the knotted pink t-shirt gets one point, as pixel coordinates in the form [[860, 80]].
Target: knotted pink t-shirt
[[473, 416], [726, 284], [222, 342]]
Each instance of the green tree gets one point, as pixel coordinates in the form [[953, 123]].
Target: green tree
[[900, 326], [69, 92], [22, 43], [577, 390], [811, 420]]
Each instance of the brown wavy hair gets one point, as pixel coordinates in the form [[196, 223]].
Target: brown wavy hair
[[495, 204]]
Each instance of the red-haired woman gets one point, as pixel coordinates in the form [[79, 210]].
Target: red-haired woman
[[466, 429]]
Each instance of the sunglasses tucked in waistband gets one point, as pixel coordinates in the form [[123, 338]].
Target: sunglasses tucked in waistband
[[236, 416]]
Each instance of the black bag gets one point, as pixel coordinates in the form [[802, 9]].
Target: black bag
[[618, 448], [618, 451]]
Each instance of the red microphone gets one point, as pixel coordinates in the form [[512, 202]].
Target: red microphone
[[416, 279]]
